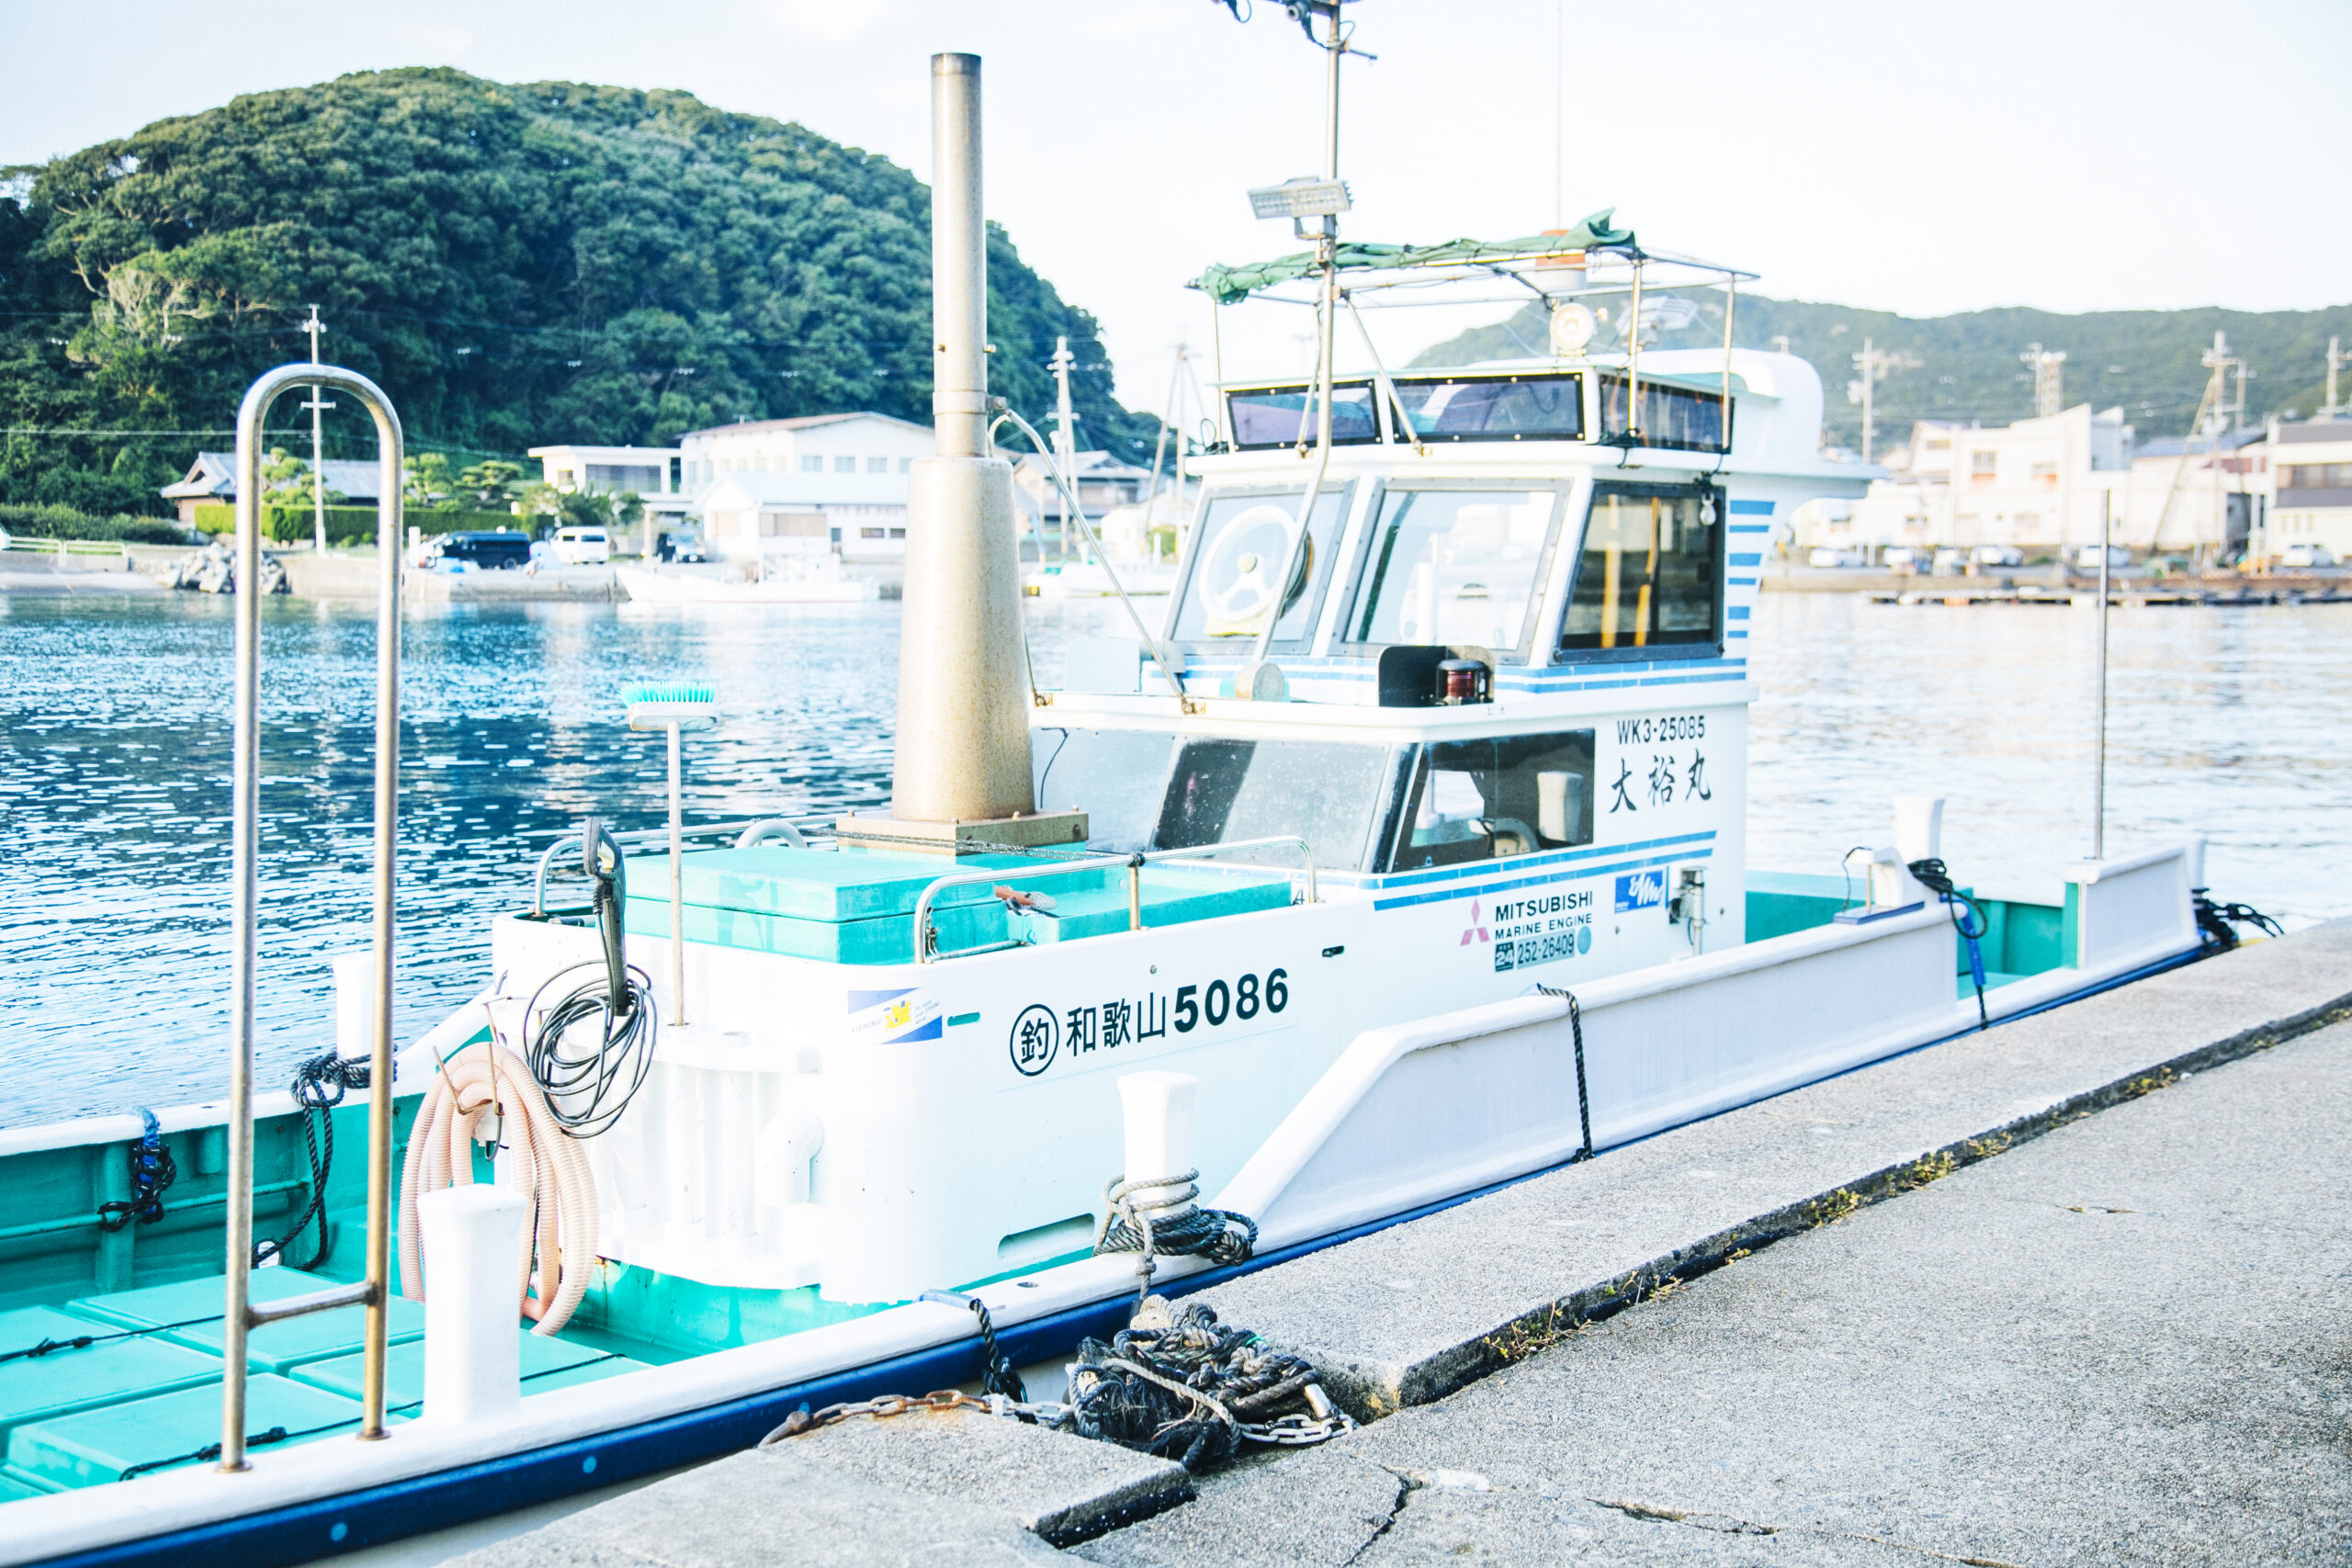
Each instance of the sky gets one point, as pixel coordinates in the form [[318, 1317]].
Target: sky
[[2069, 154]]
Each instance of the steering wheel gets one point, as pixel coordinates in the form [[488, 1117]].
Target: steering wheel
[[1236, 578]]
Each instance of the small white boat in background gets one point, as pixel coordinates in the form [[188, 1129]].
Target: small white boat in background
[[1089, 580], [816, 580]]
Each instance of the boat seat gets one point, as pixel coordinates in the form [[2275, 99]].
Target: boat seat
[[95, 1446], [34, 1388], [197, 1305]]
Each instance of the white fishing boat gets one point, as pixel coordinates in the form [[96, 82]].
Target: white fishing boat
[[784, 580], [1406, 858]]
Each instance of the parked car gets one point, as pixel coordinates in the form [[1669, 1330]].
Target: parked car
[[1904, 558], [1999, 555], [1830, 555], [2306, 556], [679, 545], [501, 550], [583, 547], [2087, 557], [1951, 562]]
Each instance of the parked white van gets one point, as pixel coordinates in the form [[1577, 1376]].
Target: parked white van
[[583, 547]]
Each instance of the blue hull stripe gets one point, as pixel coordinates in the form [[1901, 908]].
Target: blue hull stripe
[[1563, 874], [1556, 858]]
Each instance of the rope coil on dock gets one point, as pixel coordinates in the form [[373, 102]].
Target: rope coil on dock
[[1130, 1223]]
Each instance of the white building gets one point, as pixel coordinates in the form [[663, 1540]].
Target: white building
[[2311, 470], [2037, 484], [653, 472], [783, 485]]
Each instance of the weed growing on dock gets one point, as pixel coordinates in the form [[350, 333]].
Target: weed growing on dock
[[1524, 1339], [1838, 1206], [1930, 1168]]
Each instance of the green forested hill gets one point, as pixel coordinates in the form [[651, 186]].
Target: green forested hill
[[517, 264], [1967, 367]]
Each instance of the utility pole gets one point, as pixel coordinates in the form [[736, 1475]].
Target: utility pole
[[1874, 366], [2335, 356], [2049, 378], [317, 405], [1065, 431]]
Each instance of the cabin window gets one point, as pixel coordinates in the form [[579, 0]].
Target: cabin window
[[1151, 790], [1492, 798], [1330, 794], [1649, 578], [1674, 419], [1452, 567], [1237, 551], [1501, 407], [1284, 416], [1118, 777]]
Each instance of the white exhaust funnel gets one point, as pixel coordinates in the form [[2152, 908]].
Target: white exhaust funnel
[[962, 752]]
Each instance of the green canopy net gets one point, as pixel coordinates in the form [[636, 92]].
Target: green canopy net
[[1226, 285]]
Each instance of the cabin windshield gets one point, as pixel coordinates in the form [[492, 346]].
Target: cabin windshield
[[1147, 790], [1454, 566], [1236, 553]]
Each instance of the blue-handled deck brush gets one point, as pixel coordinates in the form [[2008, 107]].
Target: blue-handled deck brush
[[674, 706]]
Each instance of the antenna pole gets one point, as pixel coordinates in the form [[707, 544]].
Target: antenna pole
[[2335, 357], [2098, 723], [1868, 362], [1330, 246], [317, 405], [1065, 433]]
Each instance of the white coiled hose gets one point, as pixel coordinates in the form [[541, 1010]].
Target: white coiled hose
[[483, 1079]]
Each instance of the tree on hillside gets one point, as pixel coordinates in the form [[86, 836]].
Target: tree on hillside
[[514, 264]]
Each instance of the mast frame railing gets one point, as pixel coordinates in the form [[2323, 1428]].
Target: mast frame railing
[[373, 1292], [568, 839], [926, 934]]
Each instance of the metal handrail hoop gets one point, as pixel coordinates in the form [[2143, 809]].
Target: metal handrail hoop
[[375, 1292], [927, 939]]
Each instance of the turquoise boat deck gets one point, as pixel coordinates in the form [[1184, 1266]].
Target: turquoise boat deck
[[2021, 938], [111, 1387]]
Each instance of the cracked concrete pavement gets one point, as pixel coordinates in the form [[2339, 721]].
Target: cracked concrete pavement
[[2123, 1342]]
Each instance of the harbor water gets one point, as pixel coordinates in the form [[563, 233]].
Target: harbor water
[[115, 761]]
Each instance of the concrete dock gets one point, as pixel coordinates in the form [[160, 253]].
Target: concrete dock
[[2071, 1290]]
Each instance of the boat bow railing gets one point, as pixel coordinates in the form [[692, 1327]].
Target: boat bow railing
[[745, 832], [927, 935], [373, 1291]]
